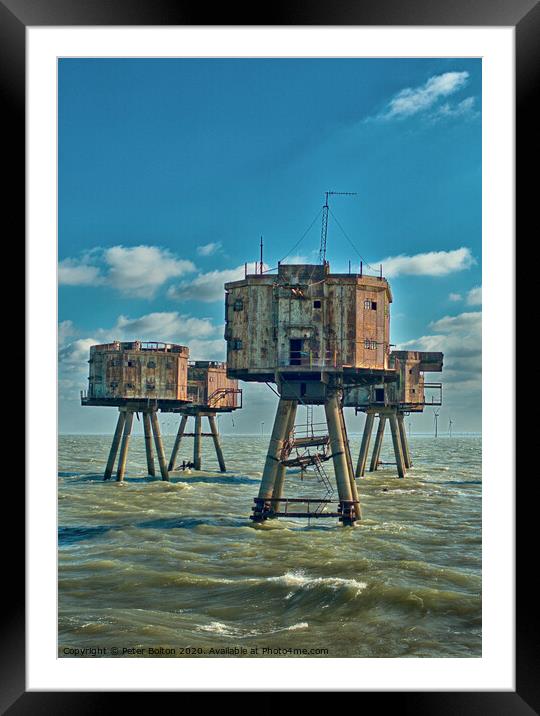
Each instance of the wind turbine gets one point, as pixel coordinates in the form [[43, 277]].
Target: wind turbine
[[436, 416]]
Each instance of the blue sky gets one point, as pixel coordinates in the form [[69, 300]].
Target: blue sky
[[170, 170]]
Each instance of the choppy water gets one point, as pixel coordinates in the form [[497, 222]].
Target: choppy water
[[179, 566]]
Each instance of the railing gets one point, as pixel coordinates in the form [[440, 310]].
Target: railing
[[345, 508], [435, 400], [218, 395], [308, 430], [206, 364], [305, 359], [331, 359]]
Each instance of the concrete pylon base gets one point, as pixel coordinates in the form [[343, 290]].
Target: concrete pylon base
[[198, 415], [122, 437], [270, 501], [400, 442]]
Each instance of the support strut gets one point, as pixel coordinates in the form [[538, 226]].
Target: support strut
[[114, 446], [177, 441], [124, 446], [376, 455], [364, 447], [217, 445]]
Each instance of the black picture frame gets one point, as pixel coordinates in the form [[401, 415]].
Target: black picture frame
[[524, 16]]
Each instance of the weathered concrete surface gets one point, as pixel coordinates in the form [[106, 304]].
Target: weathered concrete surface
[[138, 370], [114, 447], [306, 317]]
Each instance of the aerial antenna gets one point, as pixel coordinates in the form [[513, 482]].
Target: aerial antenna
[[436, 417], [324, 227], [261, 262]]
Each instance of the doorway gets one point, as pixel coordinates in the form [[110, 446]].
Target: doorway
[[295, 351]]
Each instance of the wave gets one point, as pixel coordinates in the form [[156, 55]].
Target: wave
[[234, 632], [300, 580]]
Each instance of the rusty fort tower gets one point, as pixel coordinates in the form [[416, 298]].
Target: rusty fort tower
[[323, 338], [210, 392], [403, 392], [147, 377]]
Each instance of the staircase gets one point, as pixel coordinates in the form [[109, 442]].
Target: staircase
[[300, 440], [218, 395]]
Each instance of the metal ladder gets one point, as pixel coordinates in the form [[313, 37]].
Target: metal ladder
[[316, 460], [322, 478]]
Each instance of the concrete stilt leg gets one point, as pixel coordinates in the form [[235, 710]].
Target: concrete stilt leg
[[281, 470], [215, 437], [148, 445], [354, 489], [159, 446], [396, 439], [378, 444], [347, 445], [125, 446], [339, 458], [177, 442], [197, 443], [272, 463], [114, 446], [364, 447], [404, 442]]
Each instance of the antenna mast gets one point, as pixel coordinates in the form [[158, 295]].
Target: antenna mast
[[324, 227]]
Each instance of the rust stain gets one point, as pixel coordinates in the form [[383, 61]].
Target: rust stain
[[306, 316], [138, 369], [209, 385]]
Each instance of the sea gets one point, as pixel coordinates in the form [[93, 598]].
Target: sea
[[148, 568]]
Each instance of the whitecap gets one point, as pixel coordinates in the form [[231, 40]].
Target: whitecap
[[300, 625], [302, 581]]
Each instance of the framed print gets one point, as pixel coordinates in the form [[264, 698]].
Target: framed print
[[277, 251]]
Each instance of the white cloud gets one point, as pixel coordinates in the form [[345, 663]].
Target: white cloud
[[66, 330], [474, 297], [73, 367], [166, 326], [297, 259], [77, 272], [209, 249], [411, 100], [462, 322], [433, 263], [455, 297], [76, 354], [215, 349], [134, 271], [169, 326], [141, 270], [461, 109], [207, 287], [460, 339]]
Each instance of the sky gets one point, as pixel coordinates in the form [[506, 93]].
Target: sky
[[170, 171]]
